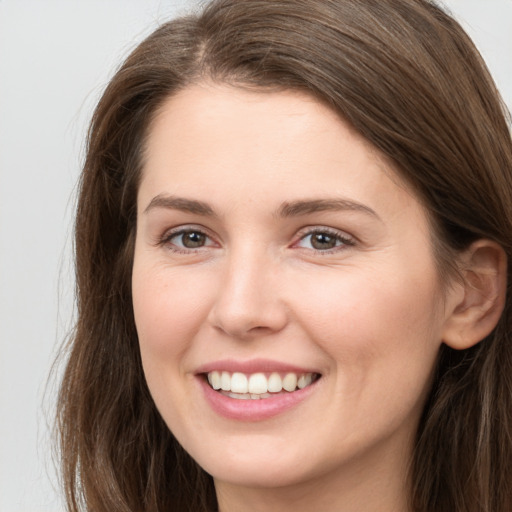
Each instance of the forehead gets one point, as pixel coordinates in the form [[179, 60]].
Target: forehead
[[246, 155], [218, 132], [249, 153]]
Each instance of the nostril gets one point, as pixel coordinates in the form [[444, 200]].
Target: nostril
[[243, 328], [247, 302]]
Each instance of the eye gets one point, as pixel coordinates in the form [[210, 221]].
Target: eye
[[187, 239], [325, 240]]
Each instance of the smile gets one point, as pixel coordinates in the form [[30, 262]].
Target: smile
[[257, 389], [259, 385]]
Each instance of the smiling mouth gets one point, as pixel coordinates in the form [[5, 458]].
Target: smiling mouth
[[258, 386]]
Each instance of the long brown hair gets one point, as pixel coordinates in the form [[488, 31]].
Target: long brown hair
[[405, 75]]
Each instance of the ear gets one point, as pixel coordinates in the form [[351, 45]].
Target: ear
[[475, 305]]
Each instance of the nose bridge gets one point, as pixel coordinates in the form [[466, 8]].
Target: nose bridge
[[249, 300]]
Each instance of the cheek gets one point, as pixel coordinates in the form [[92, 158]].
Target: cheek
[[355, 302], [381, 329], [380, 336], [169, 307]]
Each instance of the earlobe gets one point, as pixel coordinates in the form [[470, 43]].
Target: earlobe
[[480, 298]]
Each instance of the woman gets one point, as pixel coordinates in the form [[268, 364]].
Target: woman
[[291, 245]]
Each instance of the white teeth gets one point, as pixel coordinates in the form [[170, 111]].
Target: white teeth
[[239, 383], [225, 381], [275, 384], [240, 396], [304, 380], [257, 385], [214, 380], [290, 382], [247, 396]]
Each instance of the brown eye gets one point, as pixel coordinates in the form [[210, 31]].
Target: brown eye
[[187, 239], [192, 239], [323, 241]]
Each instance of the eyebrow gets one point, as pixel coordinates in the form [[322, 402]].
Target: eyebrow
[[182, 204], [305, 207], [287, 209]]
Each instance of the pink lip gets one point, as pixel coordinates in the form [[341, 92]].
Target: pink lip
[[252, 410], [252, 366]]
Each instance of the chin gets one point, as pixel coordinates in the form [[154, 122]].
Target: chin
[[269, 475], [256, 461]]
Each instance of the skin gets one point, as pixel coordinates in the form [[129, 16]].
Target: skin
[[369, 314]]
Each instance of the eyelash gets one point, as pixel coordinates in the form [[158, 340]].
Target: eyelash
[[166, 240], [341, 240]]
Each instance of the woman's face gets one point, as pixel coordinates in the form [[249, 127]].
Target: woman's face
[[275, 248]]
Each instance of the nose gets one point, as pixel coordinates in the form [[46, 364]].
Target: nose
[[249, 302]]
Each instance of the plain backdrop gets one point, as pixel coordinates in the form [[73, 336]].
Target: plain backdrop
[[55, 59]]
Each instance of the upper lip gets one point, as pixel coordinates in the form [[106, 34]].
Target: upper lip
[[252, 366]]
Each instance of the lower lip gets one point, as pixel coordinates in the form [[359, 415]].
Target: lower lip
[[253, 410]]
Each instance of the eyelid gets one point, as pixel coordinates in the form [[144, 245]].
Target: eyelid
[[346, 239], [165, 238]]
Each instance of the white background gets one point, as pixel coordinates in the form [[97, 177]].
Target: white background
[[55, 59]]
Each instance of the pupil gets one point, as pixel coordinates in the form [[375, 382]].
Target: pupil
[[323, 241], [193, 239]]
